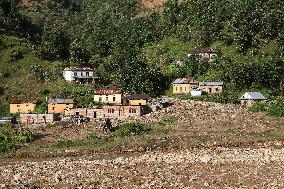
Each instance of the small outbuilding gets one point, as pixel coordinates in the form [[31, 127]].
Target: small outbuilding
[[196, 92], [249, 98]]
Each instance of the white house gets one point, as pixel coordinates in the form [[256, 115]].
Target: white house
[[202, 53], [79, 74]]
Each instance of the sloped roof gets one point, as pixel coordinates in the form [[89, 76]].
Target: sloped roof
[[61, 101], [253, 96], [24, 101], [108, 91], [78, 68], [211, 83], [202, 50], [184, 80], [138, 97]]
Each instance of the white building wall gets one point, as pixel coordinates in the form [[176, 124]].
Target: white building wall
[[69, 75], [108, 98]]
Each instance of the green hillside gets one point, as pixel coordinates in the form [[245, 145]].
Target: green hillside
[[133, 47]]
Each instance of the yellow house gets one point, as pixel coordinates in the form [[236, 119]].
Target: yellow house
[[136, 100], [58, 105], [22, 106], [211, 87], [184, 85]]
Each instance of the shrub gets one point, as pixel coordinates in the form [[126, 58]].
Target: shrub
[[5, 147], [41, 108], [64, 143], [130, 129], [276, 108], [93, 136], [258, 107], [159, 130]]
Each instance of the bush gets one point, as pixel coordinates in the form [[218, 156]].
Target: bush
[[258, 107], [130, 129], [276, 108], [93, 136], [23, 137], [64, 143], [5, 147]]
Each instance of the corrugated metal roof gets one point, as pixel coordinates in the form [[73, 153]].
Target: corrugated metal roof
[[184, 80], [253, 96], [211, 83], [24, 101], [78, 68], [61, 101], [138, 97], [108, 91]]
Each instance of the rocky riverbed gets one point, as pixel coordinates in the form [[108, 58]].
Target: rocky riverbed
[[194, 168]]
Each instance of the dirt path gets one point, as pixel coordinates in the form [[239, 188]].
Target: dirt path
[[199, 168]]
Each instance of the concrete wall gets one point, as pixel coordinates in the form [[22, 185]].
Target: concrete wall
[[137, 102], [38, 118], [248, 103], [108, 99], [183, 88], [60, 108], [122, 111], [22, 108], [69, 75], [87, 112], [212, 89]]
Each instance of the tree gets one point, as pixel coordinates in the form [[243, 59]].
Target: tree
[[78, 53], [54, 43]]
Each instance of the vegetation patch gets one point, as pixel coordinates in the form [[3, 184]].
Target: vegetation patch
[[130, 129], [11, 140], [258, 107]]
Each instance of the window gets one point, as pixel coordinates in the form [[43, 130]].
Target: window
[[132, 111], [110, 111], [217, 89], [82, 74], [107, 98], [100, 99], [53, 108], [18, 105], [180, 89], [75, 74], [210, 90], [87, 73], [27, 105], [113, 99]]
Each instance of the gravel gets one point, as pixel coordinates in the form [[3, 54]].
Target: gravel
[[195, 168]]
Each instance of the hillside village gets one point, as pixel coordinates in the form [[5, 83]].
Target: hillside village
[[141, 94], [113, 103]]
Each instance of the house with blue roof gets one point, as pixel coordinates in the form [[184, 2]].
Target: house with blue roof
[[211, 87]]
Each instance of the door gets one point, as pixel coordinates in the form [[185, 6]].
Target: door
[[95, 115]]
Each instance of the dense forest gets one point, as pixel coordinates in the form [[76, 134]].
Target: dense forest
[[134, 48]]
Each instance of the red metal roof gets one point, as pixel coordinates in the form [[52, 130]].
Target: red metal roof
[[108, 91]]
